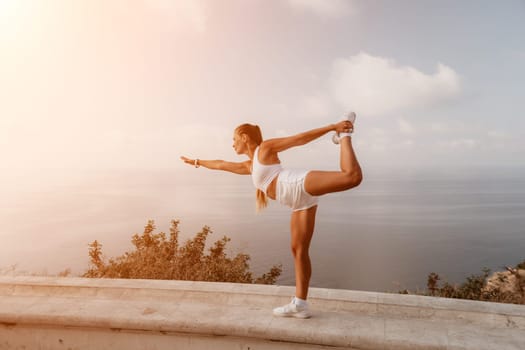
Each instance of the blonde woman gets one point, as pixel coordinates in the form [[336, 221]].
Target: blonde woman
[[298, 189]]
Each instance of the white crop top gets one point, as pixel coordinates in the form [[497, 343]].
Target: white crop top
[[263, 175]]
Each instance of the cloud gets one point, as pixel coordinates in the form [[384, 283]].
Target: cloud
[[324, 8], [498, 135], [464, 143], [438, 127], [378, 86], [405, 127], [318, 106], [408, 143]]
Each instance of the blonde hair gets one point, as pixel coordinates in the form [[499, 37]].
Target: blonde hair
[[254, 133]]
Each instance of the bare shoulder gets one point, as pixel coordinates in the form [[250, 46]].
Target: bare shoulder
[[268, 153], [265, 147]]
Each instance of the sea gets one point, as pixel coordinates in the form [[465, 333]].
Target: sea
[[386, 235]]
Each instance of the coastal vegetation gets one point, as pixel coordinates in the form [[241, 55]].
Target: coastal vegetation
[[159, 256], [503, 286]]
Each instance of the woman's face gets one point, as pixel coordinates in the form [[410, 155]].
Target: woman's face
[[238, 144]]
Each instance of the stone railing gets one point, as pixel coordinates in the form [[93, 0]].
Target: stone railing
[[78, 313]]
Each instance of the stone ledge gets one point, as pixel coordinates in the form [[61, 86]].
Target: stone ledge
[[186, 310]]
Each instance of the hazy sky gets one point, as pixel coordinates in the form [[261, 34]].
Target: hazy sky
[[98, 84]]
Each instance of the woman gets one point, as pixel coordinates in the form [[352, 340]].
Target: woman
[[296, 189]]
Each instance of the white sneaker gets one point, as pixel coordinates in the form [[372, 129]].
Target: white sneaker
[[292, 310], [349, 116]]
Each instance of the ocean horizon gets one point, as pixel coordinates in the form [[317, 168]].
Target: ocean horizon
[[386, 235]]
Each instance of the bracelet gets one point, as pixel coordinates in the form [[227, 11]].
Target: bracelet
[[196, 163]]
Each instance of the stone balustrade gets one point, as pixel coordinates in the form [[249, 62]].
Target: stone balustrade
[[78, 313]]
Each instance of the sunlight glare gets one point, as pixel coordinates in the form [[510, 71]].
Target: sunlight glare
[[10, 18]]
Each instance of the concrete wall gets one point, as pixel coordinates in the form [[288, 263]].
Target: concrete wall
[[77, 313]]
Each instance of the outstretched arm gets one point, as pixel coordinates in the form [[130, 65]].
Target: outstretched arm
[[283, 143], [241, 168]]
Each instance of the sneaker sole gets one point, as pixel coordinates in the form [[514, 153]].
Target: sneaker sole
[[294, 315]]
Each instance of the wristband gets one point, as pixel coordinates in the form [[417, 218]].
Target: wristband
[[196, 163]]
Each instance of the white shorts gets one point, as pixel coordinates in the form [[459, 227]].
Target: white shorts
[[290, 190]]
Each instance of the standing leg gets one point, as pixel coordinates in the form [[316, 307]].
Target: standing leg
[[302, 228]]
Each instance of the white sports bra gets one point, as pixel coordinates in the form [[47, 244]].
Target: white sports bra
[[263, 175]]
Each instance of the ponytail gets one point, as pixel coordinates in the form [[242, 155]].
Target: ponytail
[[261, 201]]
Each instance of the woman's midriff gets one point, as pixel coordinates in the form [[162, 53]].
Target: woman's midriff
[[271, 190]]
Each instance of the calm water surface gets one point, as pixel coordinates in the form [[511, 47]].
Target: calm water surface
[[386, 235]]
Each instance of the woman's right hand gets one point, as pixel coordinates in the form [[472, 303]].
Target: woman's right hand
[[188, 160]]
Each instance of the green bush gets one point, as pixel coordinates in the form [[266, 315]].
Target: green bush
[[156, 256]]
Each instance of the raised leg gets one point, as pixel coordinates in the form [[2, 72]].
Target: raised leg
[[302, 228], [322, 182]]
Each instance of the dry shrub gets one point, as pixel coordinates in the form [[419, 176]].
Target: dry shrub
[[156, 256], [483, 287]]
